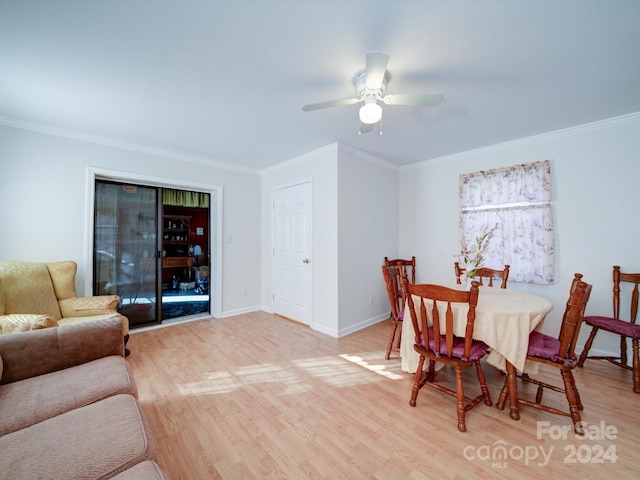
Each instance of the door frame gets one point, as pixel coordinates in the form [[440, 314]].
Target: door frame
[[215, 222], [274, 269]]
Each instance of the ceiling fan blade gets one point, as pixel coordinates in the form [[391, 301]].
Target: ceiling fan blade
[[365, 127], [413, 99], [376, 68], [332, 103]]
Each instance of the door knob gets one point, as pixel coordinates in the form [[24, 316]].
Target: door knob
[[306, 260]]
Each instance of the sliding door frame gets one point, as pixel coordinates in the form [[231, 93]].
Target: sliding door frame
[[215, 222]]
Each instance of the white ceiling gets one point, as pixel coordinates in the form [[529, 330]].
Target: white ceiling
[[226, 81]]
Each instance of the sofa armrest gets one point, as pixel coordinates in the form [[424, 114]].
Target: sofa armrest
[[87, 306], [28, 354]]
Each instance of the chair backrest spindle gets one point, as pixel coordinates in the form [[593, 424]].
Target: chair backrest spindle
[[439, 296]]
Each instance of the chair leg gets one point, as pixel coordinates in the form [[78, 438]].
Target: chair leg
[[483, 384], [636, 366], [460, 400], [431, 376], [504, 396], [569, 389], [576, 393], [399, 338], [587, 346], [419, 380], [623, 350], [511, 383], [391, 339]]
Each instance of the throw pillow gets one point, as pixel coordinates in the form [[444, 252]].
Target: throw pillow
[[23, 322]]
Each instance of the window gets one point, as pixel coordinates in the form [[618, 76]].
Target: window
[[518, 200]]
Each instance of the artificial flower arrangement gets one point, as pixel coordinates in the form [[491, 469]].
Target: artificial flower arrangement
[[472, 256]]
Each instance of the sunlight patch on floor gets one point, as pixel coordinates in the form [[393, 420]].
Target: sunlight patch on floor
[[224, 382], [335, 371], [344, 370], [374, 367]]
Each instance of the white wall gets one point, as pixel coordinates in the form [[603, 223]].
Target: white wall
[[354, 215], [367, 232], [595, 179], [44, 205], [595, 172], [320, 167]]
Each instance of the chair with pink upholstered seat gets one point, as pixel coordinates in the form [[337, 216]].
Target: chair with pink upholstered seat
[[557, 352], [436, 341], [617, 326]]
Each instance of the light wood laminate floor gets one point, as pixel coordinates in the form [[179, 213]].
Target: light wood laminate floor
[[258, 396]]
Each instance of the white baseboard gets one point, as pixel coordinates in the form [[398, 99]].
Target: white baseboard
[[364, 324], [240, 311]]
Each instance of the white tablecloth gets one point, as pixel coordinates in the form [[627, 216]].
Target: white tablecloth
[[504, 319]]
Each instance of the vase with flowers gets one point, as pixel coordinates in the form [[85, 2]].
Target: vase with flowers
[[472, 254]]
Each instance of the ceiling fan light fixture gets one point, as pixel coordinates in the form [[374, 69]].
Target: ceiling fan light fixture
[[371, 85], [370, 113]]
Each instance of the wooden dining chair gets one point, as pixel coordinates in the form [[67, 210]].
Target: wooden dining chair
[[408, 266], [557, 352], [436, 341], [615, 325], [488, 274], [391, 275]]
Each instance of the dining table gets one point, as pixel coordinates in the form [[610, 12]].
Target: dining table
[[504, 320]]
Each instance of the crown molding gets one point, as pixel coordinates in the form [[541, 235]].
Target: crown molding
[[335, 149], [348, 149], [556, 134], [330, 149], [122, 145]]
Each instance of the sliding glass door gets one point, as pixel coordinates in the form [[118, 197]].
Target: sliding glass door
[[126, 260], [152, 248]]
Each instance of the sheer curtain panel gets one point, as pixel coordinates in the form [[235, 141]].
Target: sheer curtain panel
[[518, 200]]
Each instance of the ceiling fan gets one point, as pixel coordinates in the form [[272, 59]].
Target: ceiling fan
[[371, 84]]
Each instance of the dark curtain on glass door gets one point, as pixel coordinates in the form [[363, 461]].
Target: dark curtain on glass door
[[126, 261]]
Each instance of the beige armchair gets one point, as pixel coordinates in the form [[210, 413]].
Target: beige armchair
[[41, 295]]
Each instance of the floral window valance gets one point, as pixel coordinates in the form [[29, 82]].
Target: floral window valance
[[518, 200]]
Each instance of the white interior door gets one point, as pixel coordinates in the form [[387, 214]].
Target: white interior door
[[292, 252]]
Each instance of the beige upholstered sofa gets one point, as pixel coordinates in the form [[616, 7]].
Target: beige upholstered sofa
[[40, 295], [69, 408]]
